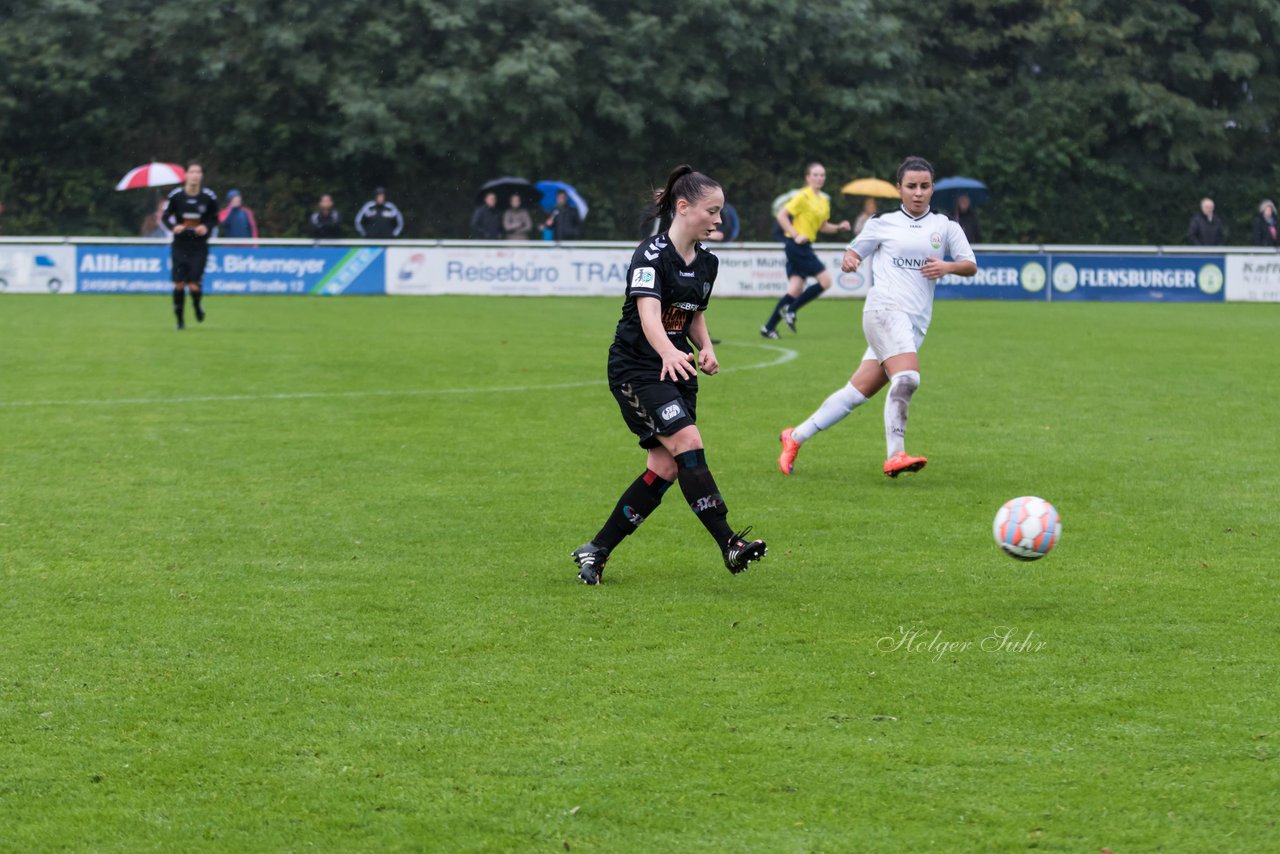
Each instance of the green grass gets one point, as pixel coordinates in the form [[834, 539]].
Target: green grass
[[294, 579]]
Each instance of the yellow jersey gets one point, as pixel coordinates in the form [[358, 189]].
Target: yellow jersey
[[809, 210]]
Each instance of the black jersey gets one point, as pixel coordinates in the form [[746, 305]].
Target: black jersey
[[658, 272], [202, 208]]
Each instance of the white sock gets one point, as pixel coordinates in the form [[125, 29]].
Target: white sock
[[901, 386], [834, 409]]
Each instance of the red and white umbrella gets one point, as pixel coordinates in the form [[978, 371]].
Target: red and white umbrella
[[153, 175]]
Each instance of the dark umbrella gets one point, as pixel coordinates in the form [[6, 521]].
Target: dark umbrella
[[947, 189], [508, 186]]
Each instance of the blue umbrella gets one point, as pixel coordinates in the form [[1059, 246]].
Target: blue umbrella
[[946, 190], [549, 190]]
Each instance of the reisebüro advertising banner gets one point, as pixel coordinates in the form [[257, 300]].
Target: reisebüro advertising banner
[[318, 270], [584, 271]]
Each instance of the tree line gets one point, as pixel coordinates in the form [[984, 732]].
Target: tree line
[[1091, 121]]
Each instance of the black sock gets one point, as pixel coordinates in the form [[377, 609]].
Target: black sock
[[637, 503], [785, 302], [178, 303], [195, 301], [810, 294], [700, 490]]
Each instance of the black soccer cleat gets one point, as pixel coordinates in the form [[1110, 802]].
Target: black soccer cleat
[[739, 553], [199, 315], [789, 318], [591, 558], [766, 332]]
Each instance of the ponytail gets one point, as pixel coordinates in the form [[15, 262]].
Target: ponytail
[[682, 183]]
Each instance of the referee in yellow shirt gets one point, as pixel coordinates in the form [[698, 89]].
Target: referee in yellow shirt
[[802, 219]]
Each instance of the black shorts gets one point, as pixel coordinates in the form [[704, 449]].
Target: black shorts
[[802, 261], [189, 257], [653, 409]]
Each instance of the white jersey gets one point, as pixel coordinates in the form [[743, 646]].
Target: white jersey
[[897, 245]]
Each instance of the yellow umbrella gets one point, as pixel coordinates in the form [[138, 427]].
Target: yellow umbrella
[[870, 187]]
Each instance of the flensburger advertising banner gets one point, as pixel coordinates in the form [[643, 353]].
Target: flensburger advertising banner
[[319, 270], [1138, 278], [37, 269], [1021, 277]]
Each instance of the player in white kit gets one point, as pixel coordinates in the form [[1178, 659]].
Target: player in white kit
[[906, 248]]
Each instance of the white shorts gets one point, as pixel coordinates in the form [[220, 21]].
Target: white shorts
[[890, 333]]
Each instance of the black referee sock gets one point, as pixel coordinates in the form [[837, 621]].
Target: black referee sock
[[700, 490], [810, 294], [195, 303], [783, 303], [637, 503], [178, 307]]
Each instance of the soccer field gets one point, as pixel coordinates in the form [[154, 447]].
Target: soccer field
[[299, 578]]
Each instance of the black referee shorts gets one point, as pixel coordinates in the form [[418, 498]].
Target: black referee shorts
[[653, 409], [802, 261], [189, 257]]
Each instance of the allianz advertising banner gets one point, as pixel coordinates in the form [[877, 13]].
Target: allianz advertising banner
[[1138, 278], [321, 270]]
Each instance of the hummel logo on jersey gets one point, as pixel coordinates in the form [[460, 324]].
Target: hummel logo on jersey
[[655, 248], [688, 274], [643, 277]]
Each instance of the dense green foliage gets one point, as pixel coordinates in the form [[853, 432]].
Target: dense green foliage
[[286, 582], [1091, 120]]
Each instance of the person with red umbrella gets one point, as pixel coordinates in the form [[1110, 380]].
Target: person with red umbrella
[[192, 215]]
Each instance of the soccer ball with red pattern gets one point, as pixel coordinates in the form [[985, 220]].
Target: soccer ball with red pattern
[[1027, 527]]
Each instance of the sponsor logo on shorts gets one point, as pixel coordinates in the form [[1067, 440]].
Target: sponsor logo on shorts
[[673, 411], [643, 277]]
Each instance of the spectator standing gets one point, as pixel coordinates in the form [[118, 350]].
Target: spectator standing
[[236, 220], [152, 229], [967, 218], [486, 219], [1206, 229], [153, 225], [1264, 225], [517, 224], [326, 223], [192, 215], [379, 219], [564, 222], [728, 227], [869, 210]]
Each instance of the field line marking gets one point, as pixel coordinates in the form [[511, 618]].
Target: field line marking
[[783, 356]]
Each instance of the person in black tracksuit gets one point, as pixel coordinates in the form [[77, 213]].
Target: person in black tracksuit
[[653, 377], [192, 215], [379, 219], [325, 222]]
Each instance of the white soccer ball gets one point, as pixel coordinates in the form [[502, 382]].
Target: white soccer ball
[[1027, 527]]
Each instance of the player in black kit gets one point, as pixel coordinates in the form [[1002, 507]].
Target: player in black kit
[[652, 374], [192, 214]]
